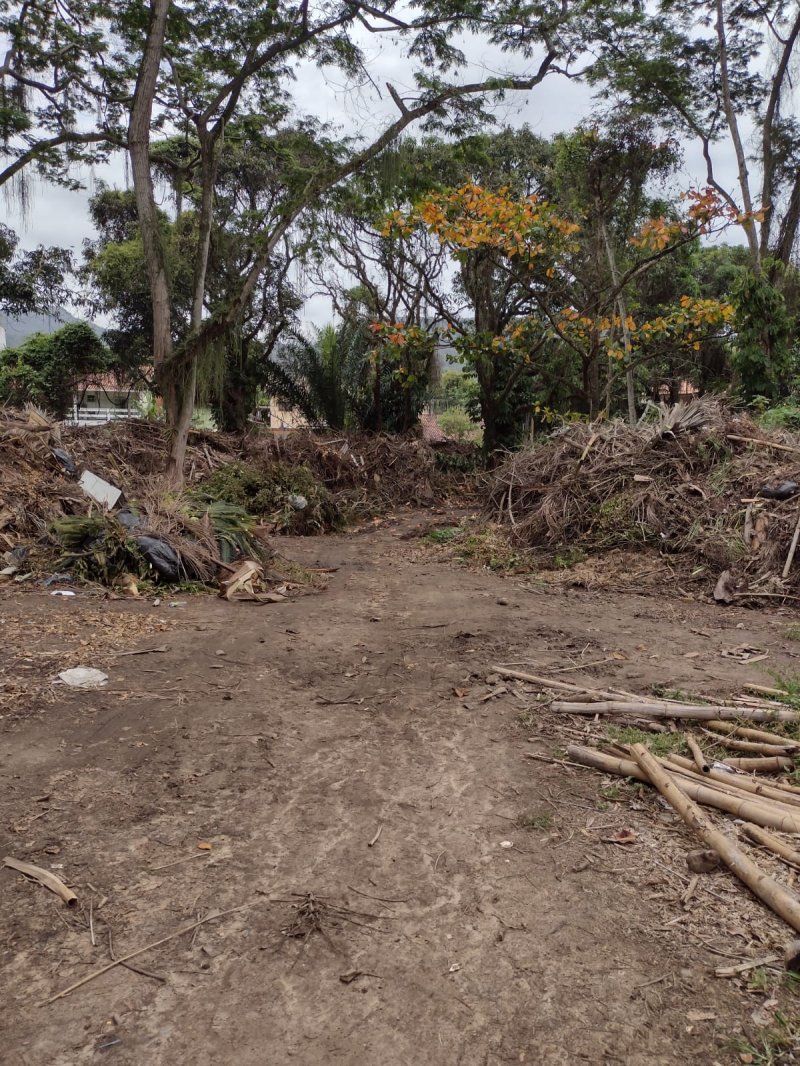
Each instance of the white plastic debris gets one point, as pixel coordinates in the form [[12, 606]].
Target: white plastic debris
[[297, 501], [99, 490], [83, 677], [506, 843], [62, 592]]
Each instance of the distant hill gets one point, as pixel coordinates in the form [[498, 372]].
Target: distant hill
[[18, 328]]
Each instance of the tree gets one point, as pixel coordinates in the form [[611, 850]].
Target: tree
[[46, 369], [30, 281], [206, 96], [711, 70]]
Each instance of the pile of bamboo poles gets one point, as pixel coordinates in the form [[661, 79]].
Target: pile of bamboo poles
[[688, 784]]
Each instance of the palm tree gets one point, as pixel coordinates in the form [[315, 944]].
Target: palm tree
[[325, 377]]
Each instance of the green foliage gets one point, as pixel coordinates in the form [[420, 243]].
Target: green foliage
[[97, 548], [530, 821], [456, 423], [325, 378], [761, 356], [46, 369], [443, 536], [463, 461], [781, 416], [264, 491], [569, 557], [33, 280]]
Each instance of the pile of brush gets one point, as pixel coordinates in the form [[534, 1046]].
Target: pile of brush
[[385, 468], [698, 480]]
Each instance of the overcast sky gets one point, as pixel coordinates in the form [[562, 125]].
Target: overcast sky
[[59, 217]]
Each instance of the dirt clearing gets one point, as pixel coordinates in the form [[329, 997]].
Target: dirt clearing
[[413, 888]]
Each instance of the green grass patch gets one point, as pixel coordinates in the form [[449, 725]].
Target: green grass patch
[[775, 1046], [443, 536], [661, 744], [491, 550], [531, 822], [569, 557]]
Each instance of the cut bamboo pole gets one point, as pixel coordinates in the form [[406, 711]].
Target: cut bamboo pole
[[769, 803], [677, 710], [771, 791], [767, 840], [787, 566], [547, 682], [754, 747], [753, 734], [44, 877], [770, 765], [765, 690], [746, 809], [700, 760], [760, 884]]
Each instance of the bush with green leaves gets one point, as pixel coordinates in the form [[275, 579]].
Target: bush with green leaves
[[456, 423], [46, 368]]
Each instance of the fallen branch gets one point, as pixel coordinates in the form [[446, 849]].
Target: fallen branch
[[677, 710], [767, 840], [44, 877], [745, 967], [760, 884], [547, 682], [139, 951], [763, 443]]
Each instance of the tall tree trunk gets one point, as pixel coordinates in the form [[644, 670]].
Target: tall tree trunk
[[184, 381], [749, 224], [152, 240], [623, 314]]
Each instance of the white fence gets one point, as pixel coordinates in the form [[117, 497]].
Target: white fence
[[96, 416]]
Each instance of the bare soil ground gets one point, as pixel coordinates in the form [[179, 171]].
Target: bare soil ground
[[285, 736]]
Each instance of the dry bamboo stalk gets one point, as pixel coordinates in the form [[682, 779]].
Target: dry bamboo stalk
[[787, 566], [763, 443], [753, 734], [547, 682], [700, 760], [765, 690], [754, 747], [706, 794], [768, 890], [676, 710], [768, 803], [784, 786], [742, 782], [767, 840], [44, 877], [763, 765]]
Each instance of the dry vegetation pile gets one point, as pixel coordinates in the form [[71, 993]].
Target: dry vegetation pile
[[367, 469], [237, 491], [701, 482]]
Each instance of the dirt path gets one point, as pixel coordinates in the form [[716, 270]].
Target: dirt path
[[560, 949]]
